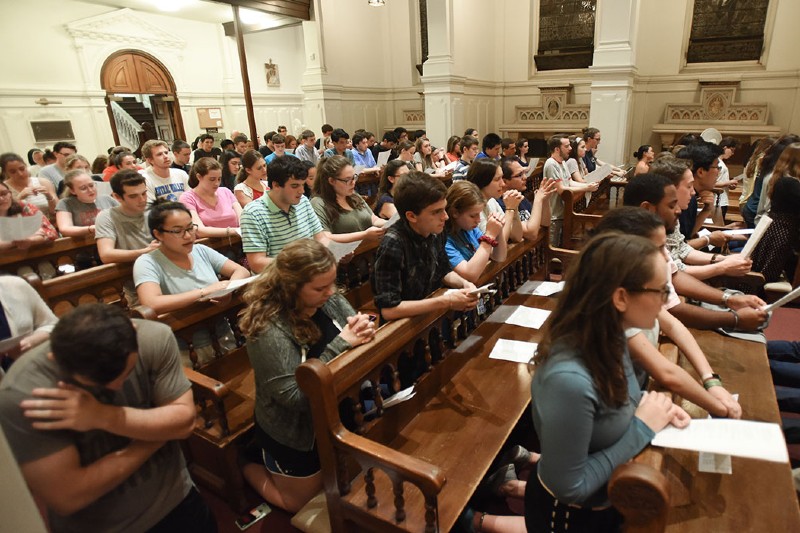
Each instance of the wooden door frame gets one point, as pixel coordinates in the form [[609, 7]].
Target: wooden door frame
[[177, 122]]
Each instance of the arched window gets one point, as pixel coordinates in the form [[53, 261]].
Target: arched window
[[566, 34]]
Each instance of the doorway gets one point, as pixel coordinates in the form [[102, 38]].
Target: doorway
[[141, 99]]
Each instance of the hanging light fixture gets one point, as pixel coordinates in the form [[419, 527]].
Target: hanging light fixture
[[376, 3]]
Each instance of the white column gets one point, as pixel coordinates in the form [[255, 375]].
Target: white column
[[443, 112], [613, 73]]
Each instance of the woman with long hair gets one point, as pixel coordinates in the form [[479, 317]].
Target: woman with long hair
[[755, 207], [251, 181], [293, 313], [341, 210], [405, 151], [575, 164], [751, 168], [488, 176], [589, 411], [522, 152], [37, 192], [384, 203], [453, 152], [214, 209], [231, 162], [644, 156], [468, 248], [776, 253], [426, 159]]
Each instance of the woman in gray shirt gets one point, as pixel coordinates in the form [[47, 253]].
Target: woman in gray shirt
[[293, 313]]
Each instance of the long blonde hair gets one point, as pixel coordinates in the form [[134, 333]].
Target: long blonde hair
[[275, 292]]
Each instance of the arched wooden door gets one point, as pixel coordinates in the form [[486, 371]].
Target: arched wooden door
[[135, 72]]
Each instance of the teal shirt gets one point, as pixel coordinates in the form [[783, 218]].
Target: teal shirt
[[583, 440]]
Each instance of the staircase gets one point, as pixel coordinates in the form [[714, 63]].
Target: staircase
[[136, 110], [135, 123]]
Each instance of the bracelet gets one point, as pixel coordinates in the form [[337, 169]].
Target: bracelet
[[713, 257], [708, 239], [201, 294], [735, 318], [712, 383], [510, 209], [713, 376], [726, 295], [488, 240]]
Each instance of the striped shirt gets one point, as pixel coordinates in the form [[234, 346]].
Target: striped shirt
[[266, 228]]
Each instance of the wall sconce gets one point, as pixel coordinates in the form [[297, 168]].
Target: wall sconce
[[376, 3]]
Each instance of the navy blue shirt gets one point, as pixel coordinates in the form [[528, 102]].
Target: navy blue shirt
[[688, 217]]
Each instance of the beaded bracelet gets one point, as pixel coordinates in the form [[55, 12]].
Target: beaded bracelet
[[488, 240]]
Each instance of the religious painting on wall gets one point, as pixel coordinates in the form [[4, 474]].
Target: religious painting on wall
[[727, 30], [566, 34], [273, 77]]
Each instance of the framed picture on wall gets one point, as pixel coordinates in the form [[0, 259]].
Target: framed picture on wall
[[273, 76]]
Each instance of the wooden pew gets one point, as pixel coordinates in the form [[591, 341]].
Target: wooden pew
[[662, 489], [354, 276], [63, 251], [103, 283], [576, 223], [412, 479]]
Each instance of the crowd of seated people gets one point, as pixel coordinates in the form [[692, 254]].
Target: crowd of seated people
[[292, 197]]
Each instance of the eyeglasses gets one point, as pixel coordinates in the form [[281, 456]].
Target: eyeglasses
[[347, 181], [182, 232], [4, 194], [664, 291]]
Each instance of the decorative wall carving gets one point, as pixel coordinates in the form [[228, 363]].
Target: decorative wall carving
[[413, 117], [717, 104], [122, 27], [717, 108], [555, 108]]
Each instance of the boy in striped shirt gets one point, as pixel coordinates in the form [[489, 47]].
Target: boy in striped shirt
[[279, 217]]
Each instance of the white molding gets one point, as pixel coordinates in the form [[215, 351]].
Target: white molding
[[124, 26]]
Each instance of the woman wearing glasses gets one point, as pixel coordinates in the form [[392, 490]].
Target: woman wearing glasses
[[180, 272], [214, 209], [341, 210], [77, 211]]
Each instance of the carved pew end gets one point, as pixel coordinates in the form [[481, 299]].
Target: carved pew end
[[641, 494]]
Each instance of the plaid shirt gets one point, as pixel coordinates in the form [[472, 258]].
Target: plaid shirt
[[408, 266]]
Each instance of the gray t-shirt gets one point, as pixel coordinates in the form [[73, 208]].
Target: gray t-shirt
[[127, 232], [555, 170], [348, 221], [53, 173], [158, 486], [207, 263], [85, 214]]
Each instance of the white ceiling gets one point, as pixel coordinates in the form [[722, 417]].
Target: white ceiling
[[201, 10]]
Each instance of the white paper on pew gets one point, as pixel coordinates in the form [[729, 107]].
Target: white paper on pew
[[514, 351], [7, 345], [704, 232], [103, 188], [532, 162], [392, 219], [383, 158], [755, 238], [528, 317], [783, 300], [548, 288], [742, 438], [708, 221], [451, 166], [232, 286], [19, 228], [715, 463], [746, 231], [341, 249], [598, 174], [399, 397], [358, 169]]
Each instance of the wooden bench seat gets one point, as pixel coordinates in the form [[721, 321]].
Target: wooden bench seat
[[63, 251], [422, 460]]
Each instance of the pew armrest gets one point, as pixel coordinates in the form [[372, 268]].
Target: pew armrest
[[205, 386], [641, 494], [142, 311]]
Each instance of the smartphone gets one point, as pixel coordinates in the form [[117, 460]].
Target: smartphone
[[255, 514]]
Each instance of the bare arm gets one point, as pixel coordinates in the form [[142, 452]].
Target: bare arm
[[67, 487], [258, 261], [110, 254], [68, 229]]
